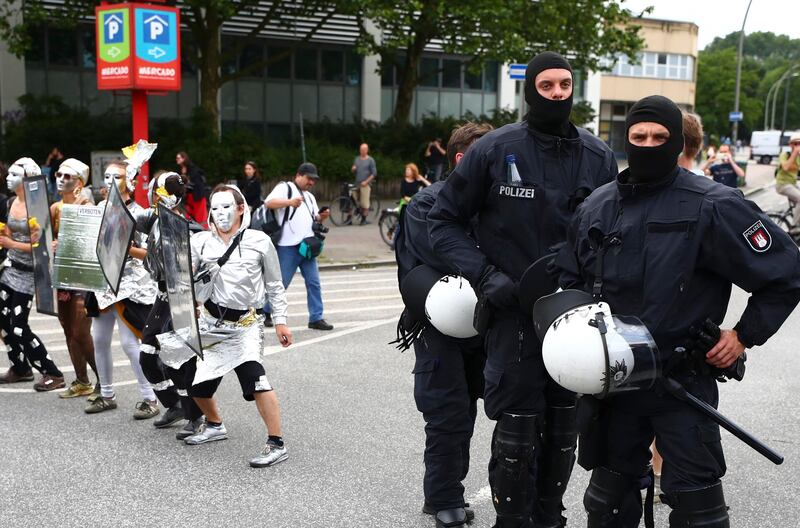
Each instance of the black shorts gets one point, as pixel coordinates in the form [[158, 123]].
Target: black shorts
[[252, 378]]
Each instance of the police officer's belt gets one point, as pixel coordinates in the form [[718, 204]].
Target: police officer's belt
[[226, 314]]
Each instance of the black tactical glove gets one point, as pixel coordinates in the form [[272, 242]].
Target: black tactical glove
[[498, 288]]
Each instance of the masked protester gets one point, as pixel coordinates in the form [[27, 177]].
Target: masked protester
[[71, 180], [169, 384], [664, 246], [523, 183], [244, 270], [25, 349], [128, 309]]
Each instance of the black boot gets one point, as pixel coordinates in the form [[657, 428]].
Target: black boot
[[703, 508]]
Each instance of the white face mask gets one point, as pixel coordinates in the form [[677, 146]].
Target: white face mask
[[66, 179], [14, 178], [111, 178], [223, 210]]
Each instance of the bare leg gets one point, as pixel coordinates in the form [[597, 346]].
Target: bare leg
[[209, 408], [267, 403]]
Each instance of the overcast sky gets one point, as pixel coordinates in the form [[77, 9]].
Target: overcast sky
[[717, 18]]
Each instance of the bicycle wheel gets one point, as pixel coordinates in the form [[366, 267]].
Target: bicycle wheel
[[374, 206], [387, 225], [781, 220], [342, 211]]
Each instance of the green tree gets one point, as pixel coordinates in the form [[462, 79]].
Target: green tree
[[483, 30]]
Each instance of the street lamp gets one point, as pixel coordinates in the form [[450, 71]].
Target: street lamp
[[786, 103], [777, 91], [735, 134], [772, 95]]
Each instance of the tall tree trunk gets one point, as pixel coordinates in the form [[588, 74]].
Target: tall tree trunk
[[210, 78], [409, 75]]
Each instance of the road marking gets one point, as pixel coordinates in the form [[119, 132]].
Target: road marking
[[325, 293], [274, 349], [355, 310], [31, 391], [396, 296]]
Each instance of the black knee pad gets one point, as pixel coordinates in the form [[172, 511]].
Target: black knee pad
[[514, 445], [702, 508], [556, 460], [612, 500]]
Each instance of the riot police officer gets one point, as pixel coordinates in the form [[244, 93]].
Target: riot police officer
[[448, 372], [523, 182], [664, 245]]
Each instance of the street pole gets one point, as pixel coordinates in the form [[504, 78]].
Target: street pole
[[735, 133], [766, 103], [777, 92], [785, 105]]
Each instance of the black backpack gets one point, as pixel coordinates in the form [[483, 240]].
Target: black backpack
[[264, 219]]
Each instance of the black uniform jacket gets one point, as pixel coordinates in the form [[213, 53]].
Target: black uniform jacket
[[672, 250], [515, 224]]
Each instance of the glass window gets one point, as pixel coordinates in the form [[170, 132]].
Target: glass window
[[88, 48], [387, 72], [229, 65], [252, 54], [305, 64], [35, 52], [661, 71], [250, 101], [472, 103], [427, 104], [187, 56], [331, 103], [279, 108], [304, 101], [352, 104], [451, 74], [63, 47], [472, 81], [673, 59], [649, 70], [332, 65], [282, 65], [619, 110], [429, 72], [662, 58], [450, 104], [490, 77], [352, 68]]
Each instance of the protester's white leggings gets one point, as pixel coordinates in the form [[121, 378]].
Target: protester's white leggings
[[102, 331]]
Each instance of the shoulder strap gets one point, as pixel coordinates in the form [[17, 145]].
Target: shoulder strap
[[225, 256], [286, 215]]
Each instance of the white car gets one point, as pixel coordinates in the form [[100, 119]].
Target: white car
[[768, 144]]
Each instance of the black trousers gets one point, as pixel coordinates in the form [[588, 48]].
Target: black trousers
[[25, 349], [448, 381]]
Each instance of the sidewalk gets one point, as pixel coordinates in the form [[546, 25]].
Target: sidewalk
[[354, 246]]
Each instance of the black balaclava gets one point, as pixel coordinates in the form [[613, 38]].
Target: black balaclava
[[648, 164], [546, 115]]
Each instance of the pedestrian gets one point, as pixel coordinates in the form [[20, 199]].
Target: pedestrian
[[3, 204], [303, 224], [435, 157], [448, 372], [52, 163], [71, 178], [128, 309], [786, 176], [195, 203], [692, 142], [249, 274], [25, 349], [169, 384], [366, 171], [521, 183], [671, 262], [723, 168], [250, 185], [412, 182]]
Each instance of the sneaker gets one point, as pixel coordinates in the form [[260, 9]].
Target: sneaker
[[98, 405], [145, 410], [322, 324], [77, 389], [48, 383], [269, 456], [172, 415], [364, 221], [189, 429], [207, 433], [12, 377], [268, 320]]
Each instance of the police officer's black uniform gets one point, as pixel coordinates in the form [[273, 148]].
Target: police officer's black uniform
[[517, 223], [448, 378], [671, 244]]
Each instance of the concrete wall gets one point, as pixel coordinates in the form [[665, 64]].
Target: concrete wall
[[634, 88]]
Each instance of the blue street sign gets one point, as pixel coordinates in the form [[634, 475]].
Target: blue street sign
[[735, 116], [517, 71], [156, 35]]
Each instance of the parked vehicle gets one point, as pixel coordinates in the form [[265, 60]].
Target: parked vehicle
[[768, 144]]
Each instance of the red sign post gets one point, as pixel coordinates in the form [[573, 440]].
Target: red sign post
[[138, 49]]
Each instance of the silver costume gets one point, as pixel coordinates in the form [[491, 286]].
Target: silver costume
[[17, 279], [250, 277]]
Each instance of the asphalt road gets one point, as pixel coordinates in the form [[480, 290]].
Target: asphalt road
[[354, 436]]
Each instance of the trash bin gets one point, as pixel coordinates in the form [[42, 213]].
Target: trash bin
[[742, 180]]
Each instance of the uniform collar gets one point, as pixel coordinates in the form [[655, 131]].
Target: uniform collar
[[630, 190], [550, 142]]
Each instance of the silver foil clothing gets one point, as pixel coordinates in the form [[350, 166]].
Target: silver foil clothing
[[19, 280], [136, 284], [147, 224]]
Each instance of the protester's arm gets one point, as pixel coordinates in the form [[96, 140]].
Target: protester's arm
[[273, 283]]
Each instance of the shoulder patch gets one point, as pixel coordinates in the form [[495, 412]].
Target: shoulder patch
[[758, 238]]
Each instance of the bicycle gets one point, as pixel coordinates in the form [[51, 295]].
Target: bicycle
[[389, 222], [345, 206], [785, 220]]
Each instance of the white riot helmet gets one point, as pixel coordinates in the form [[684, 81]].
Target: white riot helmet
[[447, 302], [588, 350]]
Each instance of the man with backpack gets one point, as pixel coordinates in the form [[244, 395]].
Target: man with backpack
[[298, 238]]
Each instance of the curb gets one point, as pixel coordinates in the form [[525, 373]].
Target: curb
[[356, 265], [759, 189]]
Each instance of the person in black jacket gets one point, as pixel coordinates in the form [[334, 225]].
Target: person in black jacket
[[250, 185], [448, 372], [523, 181], [670, 246]]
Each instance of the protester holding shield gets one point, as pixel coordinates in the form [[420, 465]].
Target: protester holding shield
[[71, 178], [244, 270], [17, 289], [128, 309]]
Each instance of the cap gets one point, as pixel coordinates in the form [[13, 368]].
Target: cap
[[794, 137], [308, 169]]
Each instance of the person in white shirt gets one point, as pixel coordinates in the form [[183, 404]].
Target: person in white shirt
[[303, 213]]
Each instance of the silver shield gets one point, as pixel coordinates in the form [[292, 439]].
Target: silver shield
[[116, 233], [38, 207], [177, 261]]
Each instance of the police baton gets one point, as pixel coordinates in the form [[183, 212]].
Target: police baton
[[678, 391]]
